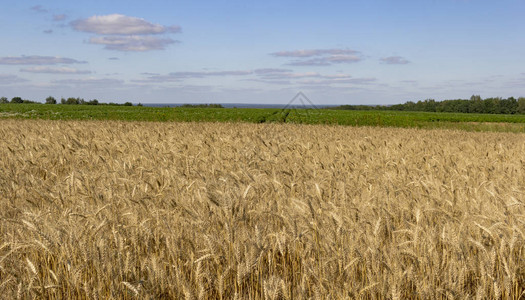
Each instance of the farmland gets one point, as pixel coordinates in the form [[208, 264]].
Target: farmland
[[150, 210], [468, 122]]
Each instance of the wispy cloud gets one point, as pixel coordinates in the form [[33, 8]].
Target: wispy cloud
[[289, 75], [60, 17], [179, 76], [6, 79], [132, 42], [107, 82], [271, 71], [394, 60], [327, 61], [314, 52], [313, 78], [120, 24], [37, 60], [113, 58], [331, 81], [53, 70], [270, 81], [208, 74], [320, 57], [48, 31], [39, 8]]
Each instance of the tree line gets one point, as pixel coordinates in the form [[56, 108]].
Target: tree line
[[68, 101], [475, 104]]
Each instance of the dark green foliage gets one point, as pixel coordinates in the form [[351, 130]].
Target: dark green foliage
[[51, 100], [73, 101], [474, 105], [4, 100], [17, 100]]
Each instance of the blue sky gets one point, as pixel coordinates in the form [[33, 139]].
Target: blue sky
[[336, 52]]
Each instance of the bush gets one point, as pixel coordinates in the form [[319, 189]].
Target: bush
[[17, 100], [4, 100], [72, 101]]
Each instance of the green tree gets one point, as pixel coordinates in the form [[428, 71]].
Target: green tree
[[476, 104], [521, 105], [17, 100], [51, 100], [4, 100]]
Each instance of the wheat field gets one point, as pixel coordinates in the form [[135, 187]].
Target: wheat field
[[129, 210]]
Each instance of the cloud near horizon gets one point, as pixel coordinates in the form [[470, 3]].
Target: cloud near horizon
[[6, 79], [52, 70], [320, 57], [314, 52], [179, 76], [106, 82], [37, 60]]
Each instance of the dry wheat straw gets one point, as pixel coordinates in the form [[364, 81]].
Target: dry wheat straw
[[117, 210]]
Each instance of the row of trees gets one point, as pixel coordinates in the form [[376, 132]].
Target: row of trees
[[69, 101], [475, 104], [4, 100]]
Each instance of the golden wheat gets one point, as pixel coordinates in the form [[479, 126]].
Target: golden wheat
[[122, 210]]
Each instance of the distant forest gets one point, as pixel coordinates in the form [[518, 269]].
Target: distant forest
[[473, 105], [68, 101]]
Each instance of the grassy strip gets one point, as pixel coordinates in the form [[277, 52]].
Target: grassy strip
[[469, 122]]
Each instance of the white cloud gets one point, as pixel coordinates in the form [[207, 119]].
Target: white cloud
[[6, 79], [132, 42], [394, 60], [120, 24], [37, 60], [52, 70]]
